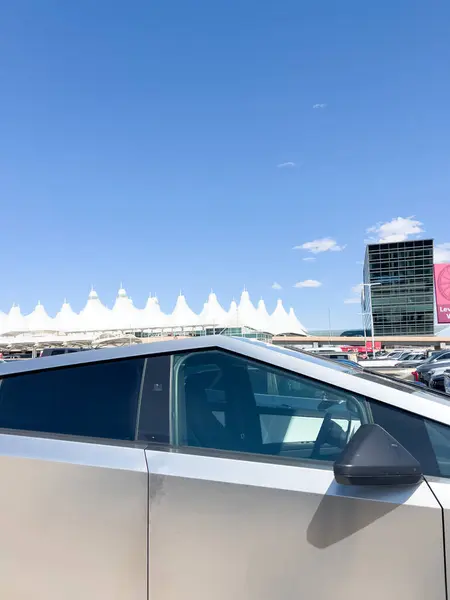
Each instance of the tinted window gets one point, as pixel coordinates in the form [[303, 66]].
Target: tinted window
[[427, 440], [231, 403], [98, 400]]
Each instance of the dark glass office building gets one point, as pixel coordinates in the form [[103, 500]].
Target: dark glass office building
[[401, 289]]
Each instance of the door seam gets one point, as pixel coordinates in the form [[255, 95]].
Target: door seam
[[443, 536], [148, 527]]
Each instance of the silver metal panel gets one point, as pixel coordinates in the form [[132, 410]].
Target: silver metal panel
[[441, 489], [420, 402], [73, 520], [223, 528]]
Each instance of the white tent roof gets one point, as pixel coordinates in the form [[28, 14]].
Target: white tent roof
[[182, 314], [279, 319], [94, 316], [38, 320], [294, 323], [247, 312], [67, 319], [213, 313], [232, 315], [124, 315], [152, 316], [15, 322], [263, 319]]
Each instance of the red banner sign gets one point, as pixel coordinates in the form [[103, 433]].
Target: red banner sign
[[361, 349], [442, 289]]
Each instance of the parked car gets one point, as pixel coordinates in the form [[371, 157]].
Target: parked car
[[219, 466], [447, 382], [394, 359], [437, 363], [437, 382], [413, 359]]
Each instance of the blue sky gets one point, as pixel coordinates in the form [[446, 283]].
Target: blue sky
[[142, 142]]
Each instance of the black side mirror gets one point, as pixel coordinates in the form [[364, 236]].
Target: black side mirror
[[374, 457]]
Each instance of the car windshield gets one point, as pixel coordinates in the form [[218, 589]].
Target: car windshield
[[395, 355]]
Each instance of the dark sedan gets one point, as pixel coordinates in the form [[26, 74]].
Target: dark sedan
[[437, 381], [437, 363]]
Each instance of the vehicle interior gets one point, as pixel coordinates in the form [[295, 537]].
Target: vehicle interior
[[229, 403]]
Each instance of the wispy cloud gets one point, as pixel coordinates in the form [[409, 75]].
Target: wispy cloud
[[323, 105], [398, 229], [286, 165], [322, 245], [442, 253], [308, 283], [309, 258], [276, 286], [356, 299], [357, 289]]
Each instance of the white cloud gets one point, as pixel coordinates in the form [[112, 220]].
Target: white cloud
[[398, 229], [276, 286], [308, 283], [356, 289], [286, 165], [319, 105], [442, 253], [309, 258], [322, 245]]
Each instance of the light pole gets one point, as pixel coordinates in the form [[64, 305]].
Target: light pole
[[369, 285], [365, 330]]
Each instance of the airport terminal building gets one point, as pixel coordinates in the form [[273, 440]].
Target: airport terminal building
[[399, 288]]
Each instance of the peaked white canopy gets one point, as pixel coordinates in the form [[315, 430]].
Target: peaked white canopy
[[232, 319], [39, 320], [152, 316], [66, 319], [263, 320], [247, 312], [213, 313], [182, 315], [95, 316], [280, 319], [15, 322], [124, 316], [294, 323]]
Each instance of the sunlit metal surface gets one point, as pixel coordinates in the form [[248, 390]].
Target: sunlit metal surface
[[254, 531], [73, 520]]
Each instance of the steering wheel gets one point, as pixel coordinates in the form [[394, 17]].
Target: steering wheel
[[322, 436], [329, 433]]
